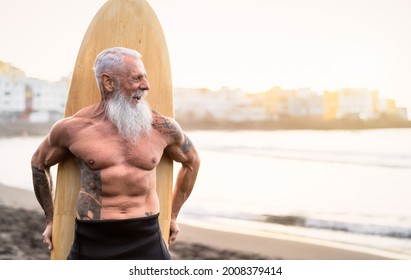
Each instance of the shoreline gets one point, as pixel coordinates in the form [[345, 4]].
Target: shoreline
[[328, 249], [24, 128], [195, 241]]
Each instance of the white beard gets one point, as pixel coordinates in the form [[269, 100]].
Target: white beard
[[132, 121]]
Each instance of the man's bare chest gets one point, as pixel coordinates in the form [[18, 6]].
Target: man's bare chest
[[99, 151]]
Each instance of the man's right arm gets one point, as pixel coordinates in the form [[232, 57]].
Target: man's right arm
[[50, 152], [43, 189]]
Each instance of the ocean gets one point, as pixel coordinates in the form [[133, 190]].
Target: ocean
[[341, 188]]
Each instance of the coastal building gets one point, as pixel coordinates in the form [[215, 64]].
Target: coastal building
[[274, 101], [30, 99], [388, 106], [48, 96], [210, 105], [331, 104], [12, 96], [357, 104], [350, 103], [279, 103], [304, 102], [12, 91], [403, 113], [9, 70], [389, 110]]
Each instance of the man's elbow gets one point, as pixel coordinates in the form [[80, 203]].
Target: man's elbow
[[197, 162], [193, 164], [36, 162]]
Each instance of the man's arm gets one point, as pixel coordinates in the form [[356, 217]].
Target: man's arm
[[50, 152], [181, 150]]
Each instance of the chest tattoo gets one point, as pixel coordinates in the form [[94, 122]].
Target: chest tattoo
[[89, 200]]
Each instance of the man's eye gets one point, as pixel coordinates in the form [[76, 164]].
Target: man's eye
[[139, 78]]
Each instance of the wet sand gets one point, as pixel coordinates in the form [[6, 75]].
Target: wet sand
[[22, 224]]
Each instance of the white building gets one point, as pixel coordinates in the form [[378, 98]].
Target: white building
[[305, 102], [21, 96], [358, 103], [12, 95], [48, 96], [223, 104], [403, 113]]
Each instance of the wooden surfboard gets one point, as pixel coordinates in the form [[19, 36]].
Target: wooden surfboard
[[119, 23]]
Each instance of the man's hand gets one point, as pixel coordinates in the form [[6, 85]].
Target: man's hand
[[47, 236], [174, 230]]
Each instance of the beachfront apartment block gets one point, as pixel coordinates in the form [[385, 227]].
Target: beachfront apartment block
[[211, 105], [48, 96], [12, 96], [359, 103], [12, 90], [27, 98], [279, 103]]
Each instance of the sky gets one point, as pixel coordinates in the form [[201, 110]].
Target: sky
[[253, 45]]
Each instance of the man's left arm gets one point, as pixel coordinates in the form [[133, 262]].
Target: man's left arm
[[183, 151]]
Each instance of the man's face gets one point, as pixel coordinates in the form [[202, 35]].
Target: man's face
[[133, 80]]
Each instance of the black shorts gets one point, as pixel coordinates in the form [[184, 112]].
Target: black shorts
[[130, 239]]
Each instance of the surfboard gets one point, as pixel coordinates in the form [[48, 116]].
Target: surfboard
[[126, 23]]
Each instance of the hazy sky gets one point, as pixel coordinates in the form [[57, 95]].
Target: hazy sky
[[254, 44]]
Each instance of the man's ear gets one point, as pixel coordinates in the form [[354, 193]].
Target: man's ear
[[108, 83]]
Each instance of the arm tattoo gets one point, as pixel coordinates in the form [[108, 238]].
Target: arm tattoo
[[89, 200], [186, 147], [167, 127], [43, 189]]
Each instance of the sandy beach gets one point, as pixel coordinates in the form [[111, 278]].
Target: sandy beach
[[22, 223]]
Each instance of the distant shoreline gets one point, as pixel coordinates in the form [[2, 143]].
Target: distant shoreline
[[24, 128], [293, 124]]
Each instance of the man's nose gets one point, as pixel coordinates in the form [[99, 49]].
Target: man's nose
[[145, 85]]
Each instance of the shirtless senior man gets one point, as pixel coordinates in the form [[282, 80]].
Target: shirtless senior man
[[118, 144]]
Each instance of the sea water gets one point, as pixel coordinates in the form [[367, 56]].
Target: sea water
[[345, 187]]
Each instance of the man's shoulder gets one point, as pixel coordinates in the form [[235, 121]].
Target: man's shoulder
[[63, 128], [69, 125], [167, 126], [90, 111], [163, 122]]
